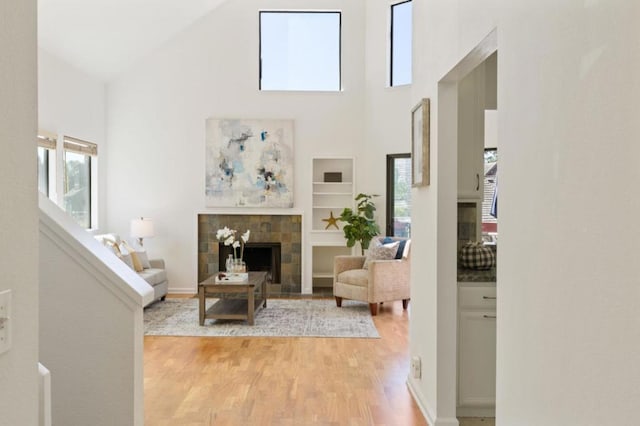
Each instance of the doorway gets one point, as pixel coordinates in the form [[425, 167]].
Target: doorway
[[398, 195], [450, 184]]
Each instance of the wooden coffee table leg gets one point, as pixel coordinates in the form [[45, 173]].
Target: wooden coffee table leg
[[264, 293], [201, 303], [250, 305]]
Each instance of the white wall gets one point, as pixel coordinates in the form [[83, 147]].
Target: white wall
[[18, 215], [387, 128], [73, 103], [568, 293], [157, 112]]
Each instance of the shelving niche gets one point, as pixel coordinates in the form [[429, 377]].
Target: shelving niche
[[322, 275], [331, 197], [327, 198]]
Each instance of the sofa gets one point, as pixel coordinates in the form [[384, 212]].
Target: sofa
[[383, 275], [135, 256]]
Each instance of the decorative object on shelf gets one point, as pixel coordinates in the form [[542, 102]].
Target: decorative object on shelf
[[249, 163], [331, 221], [360, 225], [228, 237], [420, 143], [142, 228], [333, 177]]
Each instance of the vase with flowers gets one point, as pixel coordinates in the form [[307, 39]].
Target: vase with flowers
[[228, 238]]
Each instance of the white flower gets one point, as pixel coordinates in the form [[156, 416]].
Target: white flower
[[228, 237], [224, 233]]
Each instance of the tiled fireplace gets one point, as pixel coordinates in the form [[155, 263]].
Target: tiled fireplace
[[266, 230]]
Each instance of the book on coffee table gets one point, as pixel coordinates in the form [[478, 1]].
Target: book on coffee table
[[233, 277]]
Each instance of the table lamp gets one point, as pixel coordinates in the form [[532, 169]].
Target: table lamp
[[142, 228]]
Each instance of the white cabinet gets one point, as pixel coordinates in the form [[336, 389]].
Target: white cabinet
[[476, 93], [471, 94], [476, 349]]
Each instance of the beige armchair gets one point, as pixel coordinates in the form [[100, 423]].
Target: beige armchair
[[383, 281]]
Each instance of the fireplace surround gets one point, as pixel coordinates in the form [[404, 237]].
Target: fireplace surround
[[265, 229]]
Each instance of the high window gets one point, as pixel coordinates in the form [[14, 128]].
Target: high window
[[300, 50], [78, 188], [401, 43], [46, 154]]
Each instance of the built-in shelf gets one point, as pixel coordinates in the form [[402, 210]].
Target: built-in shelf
[[330, 197], [322, 275], [322, 263]]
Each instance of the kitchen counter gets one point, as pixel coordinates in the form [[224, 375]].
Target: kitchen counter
[[472, 275]]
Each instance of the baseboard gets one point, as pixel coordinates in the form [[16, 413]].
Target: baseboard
[[476, 411], [182, 291], [428, 413]]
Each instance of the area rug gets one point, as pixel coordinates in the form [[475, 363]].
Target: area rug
[[281, 318]]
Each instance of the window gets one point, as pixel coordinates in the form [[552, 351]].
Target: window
[[300, 50], [401, 44], [78, 191], [46, 146], [43, 170], [399, 195]]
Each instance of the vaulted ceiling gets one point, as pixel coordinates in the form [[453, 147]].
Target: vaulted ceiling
[[104, 37]]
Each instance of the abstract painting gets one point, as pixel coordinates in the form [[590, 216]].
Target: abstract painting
[[249, 163]]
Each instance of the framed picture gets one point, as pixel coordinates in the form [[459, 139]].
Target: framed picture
[[420, 144], [249, 163]]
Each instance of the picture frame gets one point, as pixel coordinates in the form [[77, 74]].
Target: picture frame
[[420, 144], [249, 163]]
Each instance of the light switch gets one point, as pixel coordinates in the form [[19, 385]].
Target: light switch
[[5, 321]]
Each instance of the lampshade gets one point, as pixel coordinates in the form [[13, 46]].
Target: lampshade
[[142, 228]]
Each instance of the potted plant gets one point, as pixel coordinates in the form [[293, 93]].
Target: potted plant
[[360, 225]]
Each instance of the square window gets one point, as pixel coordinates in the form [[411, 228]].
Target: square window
[[300, 51]]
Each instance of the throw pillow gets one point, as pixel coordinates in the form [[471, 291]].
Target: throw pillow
[[405, 252], [144, 259], [381, 252], [126, 258], [135, 259], [475, 255], [400, 252], [122, 249], [140, 252], [113, 246], [107, 239], [137, 265]]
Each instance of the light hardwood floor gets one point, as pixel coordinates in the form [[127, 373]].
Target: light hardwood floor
[[239, 381]]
